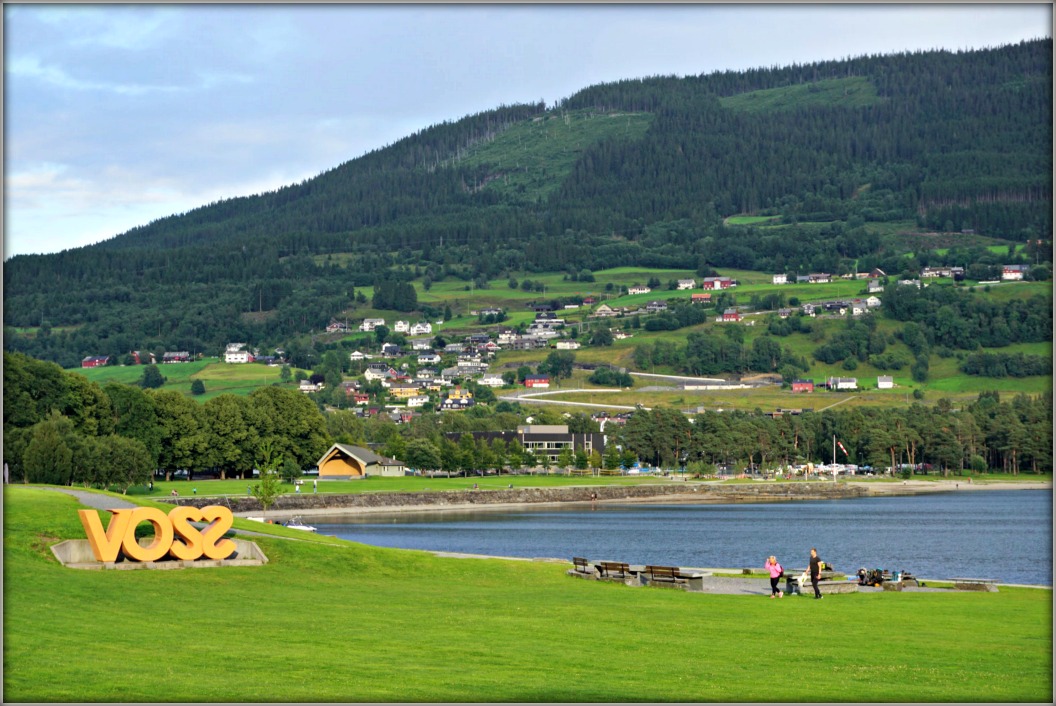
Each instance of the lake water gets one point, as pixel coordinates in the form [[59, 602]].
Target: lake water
[[1003, 535]]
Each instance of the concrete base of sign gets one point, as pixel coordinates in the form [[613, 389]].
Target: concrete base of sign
[[77, 554]]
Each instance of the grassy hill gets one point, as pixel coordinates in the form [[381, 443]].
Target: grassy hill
[[945, 380]]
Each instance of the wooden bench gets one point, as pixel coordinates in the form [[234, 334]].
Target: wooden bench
[[964, 584], [582, 568], [672, 576], [613, 570]]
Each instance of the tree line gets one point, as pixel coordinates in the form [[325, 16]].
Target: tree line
[[59, 428], [986, 434]]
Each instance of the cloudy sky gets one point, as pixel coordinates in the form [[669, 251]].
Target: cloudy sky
[[116, 115]]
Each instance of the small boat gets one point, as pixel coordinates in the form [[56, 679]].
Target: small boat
[[298, 523]]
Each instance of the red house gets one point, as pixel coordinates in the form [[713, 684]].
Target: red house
[[716, 283], [802, 386], [537, 381], [95, 361], [731, 315]]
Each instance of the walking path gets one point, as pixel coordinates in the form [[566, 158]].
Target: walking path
[[97, 500]]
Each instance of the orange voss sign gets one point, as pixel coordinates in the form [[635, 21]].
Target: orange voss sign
[[173, 533]]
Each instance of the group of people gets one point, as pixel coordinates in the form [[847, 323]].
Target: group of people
[[777, 572]]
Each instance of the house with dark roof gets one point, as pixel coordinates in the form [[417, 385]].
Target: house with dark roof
[[343, 462]]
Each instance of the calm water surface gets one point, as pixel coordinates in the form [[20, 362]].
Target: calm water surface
[[1004, 535]]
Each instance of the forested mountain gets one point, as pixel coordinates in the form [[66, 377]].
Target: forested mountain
[[638, 172]]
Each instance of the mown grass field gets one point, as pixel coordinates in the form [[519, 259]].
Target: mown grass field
[[218, 377], [338, 621]]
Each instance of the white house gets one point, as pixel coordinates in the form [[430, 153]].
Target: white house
[[376, 371], [638, 289], [781, 279], [686, 284], [885, 382], [418, 401], [842, 383], [238, 357], [401, 326], [566, 345], [371, 324], [357, 356], [428, 358], [236, 353], [492, 380], [420, 329], [872, 302], [421, 344], [875, 286]]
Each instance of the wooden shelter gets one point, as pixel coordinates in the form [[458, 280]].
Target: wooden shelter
[[342, 462]]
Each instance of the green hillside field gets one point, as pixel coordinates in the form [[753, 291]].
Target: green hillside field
[[945, 380], [328, 620]]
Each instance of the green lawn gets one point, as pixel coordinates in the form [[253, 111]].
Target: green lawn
[[348, 622], [750, 220], [218, 378]]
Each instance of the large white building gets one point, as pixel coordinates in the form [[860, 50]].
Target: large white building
[[236, 353]]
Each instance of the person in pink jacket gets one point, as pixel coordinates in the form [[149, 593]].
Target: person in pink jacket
[[776, 572]]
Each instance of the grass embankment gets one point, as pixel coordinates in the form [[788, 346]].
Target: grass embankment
[[356, 623], [554, 479], [404, 484]]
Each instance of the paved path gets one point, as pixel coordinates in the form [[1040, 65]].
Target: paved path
[[96, 500]]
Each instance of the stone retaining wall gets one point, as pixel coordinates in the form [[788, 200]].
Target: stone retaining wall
[[703, 492]]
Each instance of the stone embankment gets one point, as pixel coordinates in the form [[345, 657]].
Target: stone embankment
[[461, 499]]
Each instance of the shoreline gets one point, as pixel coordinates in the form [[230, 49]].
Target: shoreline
[[690, 497]]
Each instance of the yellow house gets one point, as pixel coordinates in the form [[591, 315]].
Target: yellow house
[[459, 394], [403, 392], [342, 462]]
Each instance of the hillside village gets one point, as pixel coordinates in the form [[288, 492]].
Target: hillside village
[[402, 379]]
